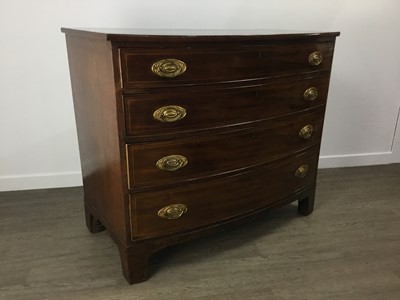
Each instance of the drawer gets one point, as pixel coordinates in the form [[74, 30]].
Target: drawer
[[192, 205], [174, 161], [157, 114], [173, 67]]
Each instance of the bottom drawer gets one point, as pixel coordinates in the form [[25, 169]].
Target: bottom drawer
[[192, 205]]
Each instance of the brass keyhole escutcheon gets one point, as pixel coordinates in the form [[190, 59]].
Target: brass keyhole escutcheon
[[173, 211], [310, 94], [170, 113], [301, 171], [315, 58], [172, 162], [306, 132], [169, 67]]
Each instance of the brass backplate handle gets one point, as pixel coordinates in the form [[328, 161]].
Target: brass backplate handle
[[169, 67], [170, 113], [301, 171], [310, 94], [315, 58], [306, 132], [172, 162], [173, 211]]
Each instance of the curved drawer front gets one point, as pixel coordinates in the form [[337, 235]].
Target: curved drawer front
[[189, 206], [158, 163], [210, 109], [173, 67]]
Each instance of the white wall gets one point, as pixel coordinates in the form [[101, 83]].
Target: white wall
[[37, 130]]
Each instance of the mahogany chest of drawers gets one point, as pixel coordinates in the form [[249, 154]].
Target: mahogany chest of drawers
[[185, 133]]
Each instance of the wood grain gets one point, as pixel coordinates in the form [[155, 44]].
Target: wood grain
[[222, 153], [236, 195], [205, 66], [347, 249], [96, 110], [242, 156], [214, 108]]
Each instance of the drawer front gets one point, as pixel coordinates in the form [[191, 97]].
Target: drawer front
[[158, 114], [169, 67], [189, 206], [169, 162]]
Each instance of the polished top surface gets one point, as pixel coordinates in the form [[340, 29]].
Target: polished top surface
[[192, 32], [117, 34]]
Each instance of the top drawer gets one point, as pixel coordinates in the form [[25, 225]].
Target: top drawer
[[174, 67]]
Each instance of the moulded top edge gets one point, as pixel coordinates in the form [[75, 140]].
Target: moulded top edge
[[175, 35]]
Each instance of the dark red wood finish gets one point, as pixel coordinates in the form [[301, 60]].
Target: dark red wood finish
[[96, 114], [239, 105], [223, 152], [243, 92], [228, 197], [212, 66]]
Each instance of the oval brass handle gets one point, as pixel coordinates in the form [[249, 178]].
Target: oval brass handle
[[173, 211], [306, 132], [172, 162], [169, 67], [170, 113], [315, 58], [310, 94], [301, 171]]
